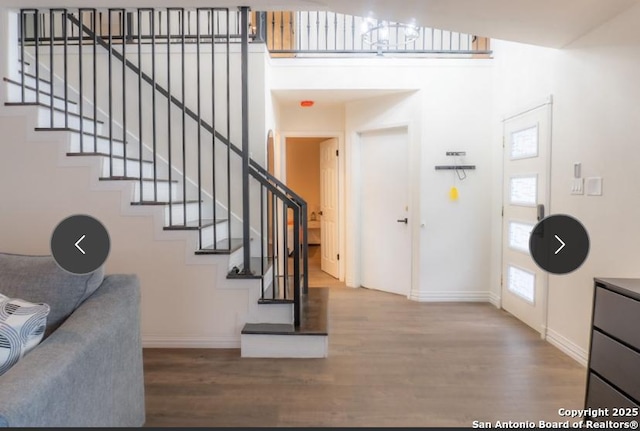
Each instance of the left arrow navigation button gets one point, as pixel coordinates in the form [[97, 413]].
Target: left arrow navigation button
[[80, 244], [77, 244]]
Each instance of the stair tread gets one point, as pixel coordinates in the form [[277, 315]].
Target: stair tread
[[133, 159], [158, 203], [259, 267], [48, 106], [74, 130], [28, 87], [194, 225], [313, 318], [122, 178], [222, 247]]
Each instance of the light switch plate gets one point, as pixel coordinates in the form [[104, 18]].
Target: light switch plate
[[593, 185], [577, 186]]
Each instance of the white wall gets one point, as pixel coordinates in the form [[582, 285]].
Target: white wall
[[446, 105], [595, 122]]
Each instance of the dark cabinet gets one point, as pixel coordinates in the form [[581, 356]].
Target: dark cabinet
[[613, 380]]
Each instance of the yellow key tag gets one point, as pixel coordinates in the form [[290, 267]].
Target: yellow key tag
[[453, 193]]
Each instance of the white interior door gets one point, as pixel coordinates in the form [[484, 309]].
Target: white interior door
[[329, 206], [527, 146], [385, 236]]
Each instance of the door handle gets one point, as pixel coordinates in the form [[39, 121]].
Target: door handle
[[404, 220], [540, 210], [320, 213]]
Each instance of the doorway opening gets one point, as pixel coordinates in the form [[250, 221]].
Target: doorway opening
[[311, 169]]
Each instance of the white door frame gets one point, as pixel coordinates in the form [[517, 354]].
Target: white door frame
[[354, 210], [280, 167]]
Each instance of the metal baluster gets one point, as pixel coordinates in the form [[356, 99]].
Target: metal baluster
[[276, 257], [213, 134], [152, 24], [22, 31], [281, 29], [95, 82], [296, 265], [51, 33], [228, 66], [274, 239], [317, 31], [37, 65], [263, 190], [308, 30], [335, 31], [169, 113], [198, 100], [65, 72], [353, 32], [140, 103], [124, 90], [80, 76], [262, 256], [326, 31], [182, 16], [244, 62], [285, 244]]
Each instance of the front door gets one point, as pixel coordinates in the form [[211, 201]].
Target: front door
[[527, 153], [385, 246]]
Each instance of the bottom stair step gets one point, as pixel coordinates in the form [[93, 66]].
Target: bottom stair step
[[277, 340]]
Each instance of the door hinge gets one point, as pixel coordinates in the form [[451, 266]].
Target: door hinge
[[501, 277], [503, 140], [337, 152], [338, 257], [503, 211]]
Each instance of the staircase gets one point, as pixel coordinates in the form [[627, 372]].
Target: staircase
[[104, 92]]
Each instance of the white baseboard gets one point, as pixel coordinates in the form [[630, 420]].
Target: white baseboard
[[568, 347], [464, 296], [215, 342], [495, 299]]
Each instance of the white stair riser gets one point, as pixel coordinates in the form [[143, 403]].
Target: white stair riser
[[149, 191], [222, 232], [273, 313], [31, 82], [177, 212], [44, 120], [88, 145], [14, 94], [284, 346], [26, 67], [133, 168]]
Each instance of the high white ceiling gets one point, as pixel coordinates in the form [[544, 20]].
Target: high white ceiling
[[553, 23]]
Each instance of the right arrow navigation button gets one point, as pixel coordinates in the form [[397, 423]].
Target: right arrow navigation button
[[559, 244]]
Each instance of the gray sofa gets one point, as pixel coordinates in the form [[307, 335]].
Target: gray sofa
[[88, 369]]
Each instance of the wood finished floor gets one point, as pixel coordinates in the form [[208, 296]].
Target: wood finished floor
[[392, 362]]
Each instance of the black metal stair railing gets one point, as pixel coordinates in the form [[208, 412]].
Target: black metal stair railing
[[184, 156]]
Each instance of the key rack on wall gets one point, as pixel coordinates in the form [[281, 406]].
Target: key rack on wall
[[455, 167]]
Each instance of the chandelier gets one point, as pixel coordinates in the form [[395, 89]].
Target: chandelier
[[381, 35]]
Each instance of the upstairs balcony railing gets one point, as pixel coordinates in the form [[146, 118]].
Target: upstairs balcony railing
[[286, 33], [300, 33]]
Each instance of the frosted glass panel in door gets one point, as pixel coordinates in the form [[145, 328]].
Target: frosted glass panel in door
[[524, 143], [522, 283], [519, 234], [523, 190]]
